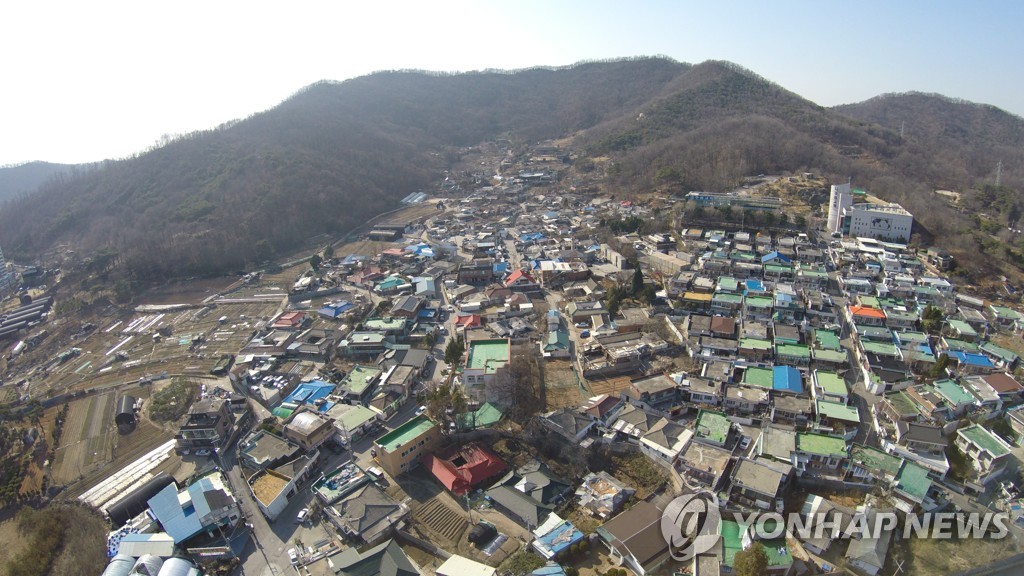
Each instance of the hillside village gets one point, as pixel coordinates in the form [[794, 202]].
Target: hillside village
[[514, 374]]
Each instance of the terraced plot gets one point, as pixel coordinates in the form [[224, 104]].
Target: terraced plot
[[442, 520]]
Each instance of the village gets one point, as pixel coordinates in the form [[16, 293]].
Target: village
[[517, 377]]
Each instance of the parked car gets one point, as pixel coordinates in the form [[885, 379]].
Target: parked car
[[745, 443], [293, 556], [421, 410], [302, 516], [203, 452]]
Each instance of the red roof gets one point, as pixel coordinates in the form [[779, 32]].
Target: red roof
[[867, 311], [519, 275], [289, 319], [469, 321], [461, 468]]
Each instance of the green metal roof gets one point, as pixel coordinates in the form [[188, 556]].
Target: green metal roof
[[712, 426], [405, 433], [827, 339], [955, 345], [755, 344], [727, 283], [1000, 352], [913, 479], [759, 302], [831, 383], [901, 402], [829, 355], [875, 459], [793, 350], [883, 348], [356, 380], [985, 439], [838, 411], [727, 298], [952, 392], [762, 377], [820, 444], [488, 355], [962, 327], [487, 415], [1004, 313]]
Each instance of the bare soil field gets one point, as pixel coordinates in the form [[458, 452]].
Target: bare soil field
[[86, 442], [184, 291], [561, 387], [609, 385]]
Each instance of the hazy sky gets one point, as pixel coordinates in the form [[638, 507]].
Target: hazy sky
[[84, 81]]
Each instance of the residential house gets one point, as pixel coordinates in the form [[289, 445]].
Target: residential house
[[602, 495], [705, 464], [758, 483], [462, 468], [634, 538], [208, 425], [308, 429], [989, 454], [402, 449], [569, 424], [820, 455], [366, 514]]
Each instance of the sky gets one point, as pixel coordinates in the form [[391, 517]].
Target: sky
[[87, 81]]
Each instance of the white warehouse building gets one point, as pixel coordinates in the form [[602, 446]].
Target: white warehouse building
[[886, 222]]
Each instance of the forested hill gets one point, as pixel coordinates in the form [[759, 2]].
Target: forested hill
[[323, 161], [335, 154], [963, 140], [26, 178]]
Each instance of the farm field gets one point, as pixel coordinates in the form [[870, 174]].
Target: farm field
[[561, 387]]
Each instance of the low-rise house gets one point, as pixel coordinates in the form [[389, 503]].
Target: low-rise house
[[758, 484], [776, 443], [359, 384], [829, 386], [746, 400], [274, 488], [702, 391], [602, 495], [385, 559], [261, 450], [634, 538], [820, 455], [988, 453], [363, 344], [462, 468], [705, 464], [712, 428], [555, 537], [366, 514], [402, 449], [308, 429], [602, 408], [1003, 359], [791, 409], [837, 419], [208, 425], [569, 424], [869, 554], [460, 566], [204, 506], [658, 391]]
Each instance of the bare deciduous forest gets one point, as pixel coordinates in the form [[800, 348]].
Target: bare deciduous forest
[[335, 154]]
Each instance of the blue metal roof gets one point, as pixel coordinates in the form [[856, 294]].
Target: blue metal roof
[[787, 378]]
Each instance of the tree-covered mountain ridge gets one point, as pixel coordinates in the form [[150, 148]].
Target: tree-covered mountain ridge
[[337, 153]]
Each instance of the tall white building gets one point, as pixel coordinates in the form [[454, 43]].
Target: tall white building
[[840, 199], [886, 222]]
